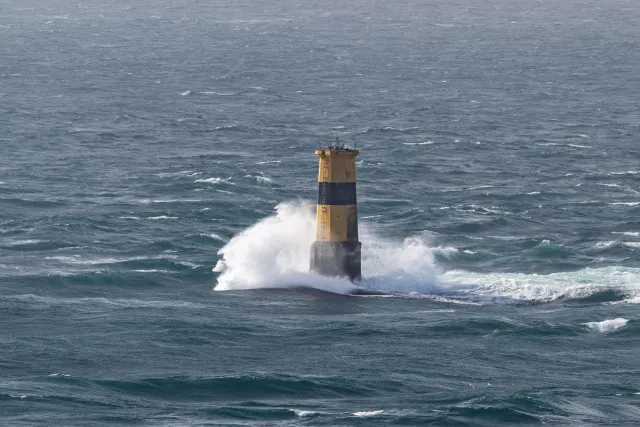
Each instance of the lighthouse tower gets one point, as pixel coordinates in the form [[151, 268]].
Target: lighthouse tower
[[336, 251]]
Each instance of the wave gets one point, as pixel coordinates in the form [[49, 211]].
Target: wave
[[97, 301], [247, 386], [607, 326], [36, 245], [412, 129], [260, 178], [624, 203], [368, 413], [418, 143], [615, 244], [274, 253], [588, 285]]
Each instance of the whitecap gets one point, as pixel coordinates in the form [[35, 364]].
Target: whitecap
[[151, 271], [25, 242], [263, 179], [608, 325], [624, 173], [215, 236], [275, 253], [212, 180], [302, 413], [368, 413], [533, 193], [625, 203], [162, 217], [446, 252], [186, 93], [627, 233], [578, 146], [170, 174], [418, 143], [605, 245], [516, 287]]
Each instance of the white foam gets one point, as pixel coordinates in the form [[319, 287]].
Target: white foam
[[77, 260], [368, 413], [260, 178], [633, 300], [176, 201], [606, 245], [186, 93], [627, 233], [625, 203], [418, 143], [170, 174], [624, 173], [215, 236], [162, 217], [301, 413], [579, 146], [152, 271], [213, 180], [541, 287], [24, 242], [275, 253], [217, 93], [533, 193], [608, 325], [126, 303]]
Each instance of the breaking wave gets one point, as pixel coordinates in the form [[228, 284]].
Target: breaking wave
[[274, 253], [608, 325]]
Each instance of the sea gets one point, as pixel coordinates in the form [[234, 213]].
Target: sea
[[157, 202]]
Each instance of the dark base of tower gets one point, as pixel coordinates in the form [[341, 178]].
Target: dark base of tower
[[336, 259]]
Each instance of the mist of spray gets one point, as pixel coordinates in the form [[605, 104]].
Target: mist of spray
[[275, 253]]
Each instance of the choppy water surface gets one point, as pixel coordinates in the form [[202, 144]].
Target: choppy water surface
[[152, 152]]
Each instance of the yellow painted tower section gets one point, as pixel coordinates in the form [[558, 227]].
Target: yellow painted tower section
[[336, 251]]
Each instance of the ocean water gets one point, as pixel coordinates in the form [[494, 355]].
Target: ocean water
[[157, 185]]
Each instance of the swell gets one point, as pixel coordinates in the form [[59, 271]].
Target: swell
[[245, 387]]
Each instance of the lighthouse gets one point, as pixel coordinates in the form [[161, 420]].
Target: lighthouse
[[336, 251]]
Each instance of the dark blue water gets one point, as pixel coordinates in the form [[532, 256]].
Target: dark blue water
[[498, 190]]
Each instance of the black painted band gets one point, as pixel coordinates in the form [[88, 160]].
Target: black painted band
[[336, 193]]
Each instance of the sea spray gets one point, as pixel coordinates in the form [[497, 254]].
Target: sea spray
[[274, 247], [275, 253]]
